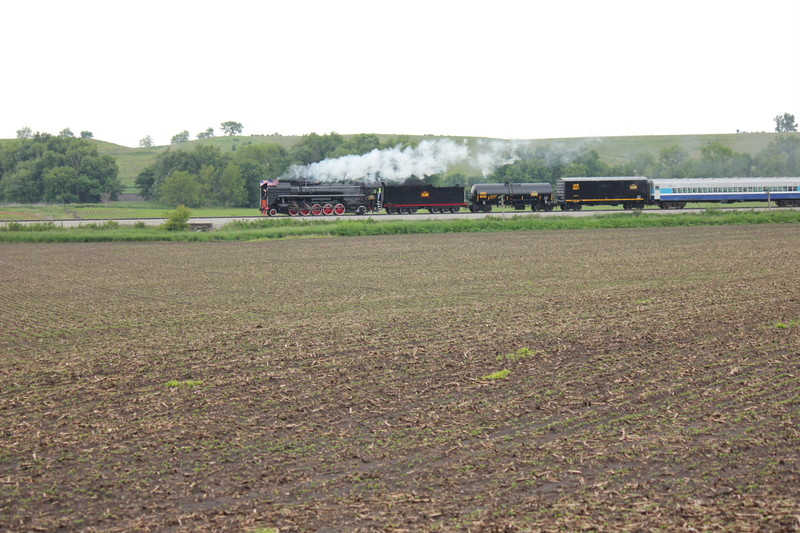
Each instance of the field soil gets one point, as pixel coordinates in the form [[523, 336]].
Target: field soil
[[639, 380]]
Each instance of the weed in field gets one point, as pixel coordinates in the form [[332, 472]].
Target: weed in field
[[186, 384], [522, 353], [500, 374]]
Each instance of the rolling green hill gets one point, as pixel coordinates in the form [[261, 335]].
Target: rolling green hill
[[612, 150]]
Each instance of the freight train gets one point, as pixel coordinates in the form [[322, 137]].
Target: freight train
[[295, 198]]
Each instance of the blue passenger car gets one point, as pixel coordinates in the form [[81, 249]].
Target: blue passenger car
[[675, 193]]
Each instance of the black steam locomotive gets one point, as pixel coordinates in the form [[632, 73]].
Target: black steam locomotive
[[296, 198]]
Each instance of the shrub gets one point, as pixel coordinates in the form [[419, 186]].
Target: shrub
[[178, 220]]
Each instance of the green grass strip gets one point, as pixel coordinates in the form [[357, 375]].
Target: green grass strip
[[281, 228]]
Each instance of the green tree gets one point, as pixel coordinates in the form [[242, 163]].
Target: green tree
[[271, 159], [671, 160], [780, 158], [312, 148], [66, 132], [719, 161], [21, 185], [33, 171], [180, 138], [232, 186], [586, 163], [146, 142], [357, 145], [785, 123], [192, 161], [643, 164], [64, 185], [87, 135], [24, 133], [232, 128], [206, 134], [181, 188]]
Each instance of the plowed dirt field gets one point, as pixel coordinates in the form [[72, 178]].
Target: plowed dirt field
[[644, 379]]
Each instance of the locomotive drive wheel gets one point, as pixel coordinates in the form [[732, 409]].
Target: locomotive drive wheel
[[339, 209], [316, 210], [305, 210], [293, 211], [327, 210]]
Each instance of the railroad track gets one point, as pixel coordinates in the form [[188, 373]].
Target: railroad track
[[202, 223]]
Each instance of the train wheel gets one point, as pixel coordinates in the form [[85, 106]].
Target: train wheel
[[272, 212], [327, 210], [305, 210], [487, 209], [316, 210], [293, 211], [435, 210], [339, 209]]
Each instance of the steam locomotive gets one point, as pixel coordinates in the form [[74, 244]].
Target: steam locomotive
[[295, 198]]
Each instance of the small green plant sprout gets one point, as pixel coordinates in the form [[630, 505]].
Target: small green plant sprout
[[186, 384], [522, 353], [500, 374], [784, 325]]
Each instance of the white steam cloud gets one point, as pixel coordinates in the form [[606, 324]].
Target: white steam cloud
[[491, 154], [430, 157]]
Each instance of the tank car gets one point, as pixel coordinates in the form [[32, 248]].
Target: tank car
[[482, 196]]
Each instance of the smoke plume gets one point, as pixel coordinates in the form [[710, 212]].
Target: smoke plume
[[434, 156]]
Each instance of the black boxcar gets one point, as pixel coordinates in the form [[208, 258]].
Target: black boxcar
[[411, 198], [631, 192], [539, 196]]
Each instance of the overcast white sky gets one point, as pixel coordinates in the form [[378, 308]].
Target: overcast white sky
[[507, 69]]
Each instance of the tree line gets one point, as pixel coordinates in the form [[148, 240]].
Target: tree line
[[59, 169], [63, 169], [207, 176], [780, 158]]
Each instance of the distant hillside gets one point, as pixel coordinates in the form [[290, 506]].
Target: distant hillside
[[612, 150]]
